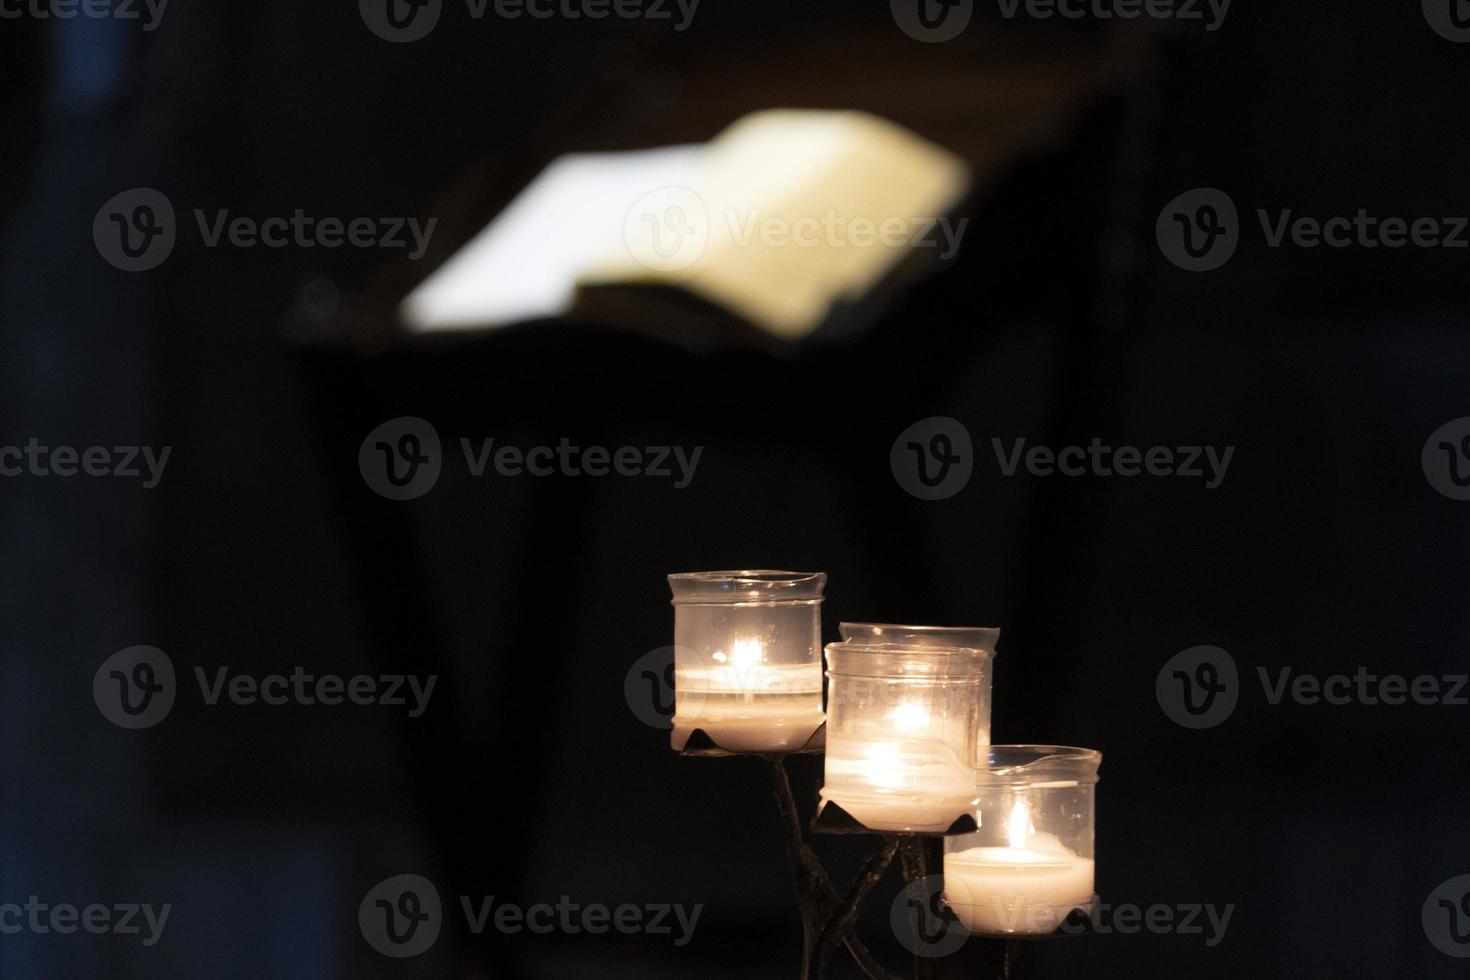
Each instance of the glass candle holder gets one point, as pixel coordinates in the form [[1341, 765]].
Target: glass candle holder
[[907, 712], [1030, 865], [747, 658]]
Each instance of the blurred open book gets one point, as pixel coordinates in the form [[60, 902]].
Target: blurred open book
[[782, 219]]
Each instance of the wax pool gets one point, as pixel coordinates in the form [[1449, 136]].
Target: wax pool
[[893, 784], [1016, 890], [749, 706]]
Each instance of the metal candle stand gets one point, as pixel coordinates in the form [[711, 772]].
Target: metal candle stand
[[829, 920]]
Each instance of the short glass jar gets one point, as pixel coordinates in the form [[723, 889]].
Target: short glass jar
[[908, 710], [747, 658], [1030, 865]]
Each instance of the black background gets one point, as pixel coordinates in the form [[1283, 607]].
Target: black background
[[1325, 549]]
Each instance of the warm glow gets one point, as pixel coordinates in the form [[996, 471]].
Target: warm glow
[[744, 665], [911, 716], [884, 768], [747, 653], [1018, 826]]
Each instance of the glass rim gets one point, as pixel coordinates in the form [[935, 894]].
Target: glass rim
[[981, 639], [907, 661], [746, 585], [1017, 763]]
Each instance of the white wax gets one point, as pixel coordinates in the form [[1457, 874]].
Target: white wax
[[753, 727], [896, 784], [749, 707], [1016, 889]]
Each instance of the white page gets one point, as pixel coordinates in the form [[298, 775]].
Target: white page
[[525, 264]]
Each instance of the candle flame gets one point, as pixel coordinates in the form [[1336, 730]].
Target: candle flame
[[910, 716], [1018, 826], [744, 665], [747, 653]]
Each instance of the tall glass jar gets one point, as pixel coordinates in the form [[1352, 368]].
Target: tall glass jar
[[747, 658], [908, 711], [1030, 865]]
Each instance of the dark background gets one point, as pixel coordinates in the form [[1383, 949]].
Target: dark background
[[529, 778]]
